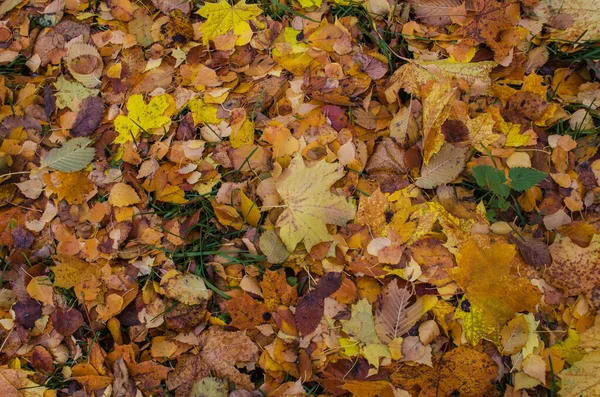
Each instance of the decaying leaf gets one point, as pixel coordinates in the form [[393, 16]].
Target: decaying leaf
[[574, 269]]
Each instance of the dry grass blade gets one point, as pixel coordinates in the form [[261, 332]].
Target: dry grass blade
[[394, 317]]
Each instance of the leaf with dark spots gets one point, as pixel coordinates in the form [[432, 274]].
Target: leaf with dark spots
[[328, 284], [90, 115], [66, 322], [26, 313], [309, 312]]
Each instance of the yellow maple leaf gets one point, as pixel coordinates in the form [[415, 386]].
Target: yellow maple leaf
[[493, 295], [481, 131], [141, 117], [309, 205], [289, 53], [70, 186], [222, 17]]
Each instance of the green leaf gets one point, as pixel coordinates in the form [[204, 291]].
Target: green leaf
[[487, 176], [525, 178], [73, 156]]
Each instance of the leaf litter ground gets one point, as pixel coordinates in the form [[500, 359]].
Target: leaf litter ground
[[368, 198]]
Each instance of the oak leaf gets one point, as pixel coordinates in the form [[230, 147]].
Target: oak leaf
[[310, 205], [494, 295]]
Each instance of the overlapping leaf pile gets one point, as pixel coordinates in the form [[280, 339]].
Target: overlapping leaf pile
[[311, 197]]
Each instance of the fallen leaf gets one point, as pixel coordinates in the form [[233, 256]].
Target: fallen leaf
[[443, 167], [494, 294], [222, 17], [582, 378], [395, 317], [574, 269], [186, 288], [309, 203]]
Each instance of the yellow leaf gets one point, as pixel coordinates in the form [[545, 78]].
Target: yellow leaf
[[436, 109], [141, 117], [582, 378], [310, 3], [71, 271], [203, 113], [514, 335], [40, 288], [171, 194], [123, 195], [188, 289], [70, 186], [222, 18], [289, 53], [309, 204], [244, 134], [493, 295], [250, 211], [361, 327]]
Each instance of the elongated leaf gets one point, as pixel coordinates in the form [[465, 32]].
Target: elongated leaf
[[443, 167], [73, 156], [395, 317]]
